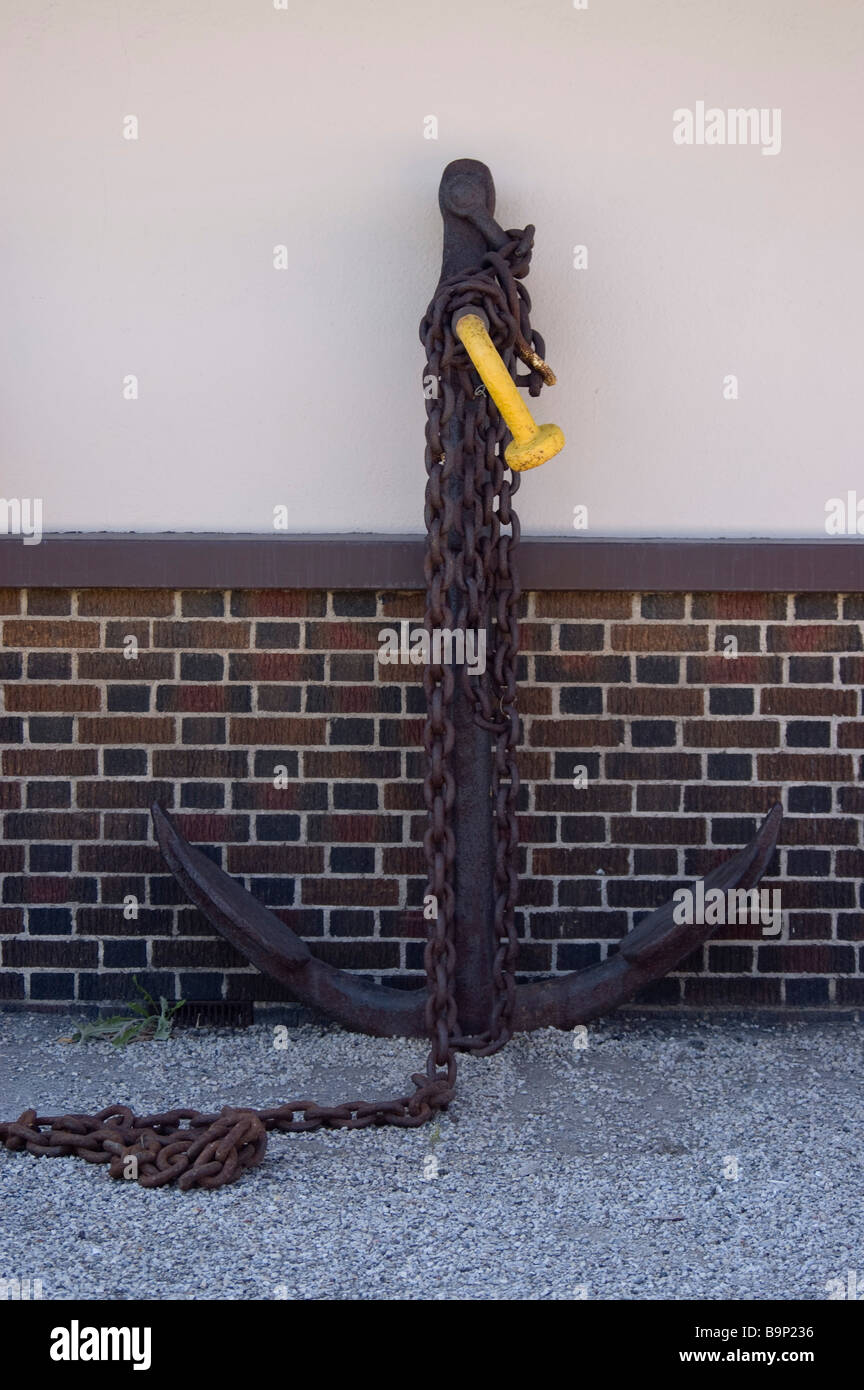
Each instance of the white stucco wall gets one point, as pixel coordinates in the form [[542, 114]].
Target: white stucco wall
[[305, 127]]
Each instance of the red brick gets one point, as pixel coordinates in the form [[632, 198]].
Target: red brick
[[850, 735], [10, 600]]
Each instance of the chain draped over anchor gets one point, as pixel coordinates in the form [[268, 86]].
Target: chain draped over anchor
[[469, 552]]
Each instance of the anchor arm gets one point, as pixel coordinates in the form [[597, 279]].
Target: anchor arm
[[277, 951], [646, 954]]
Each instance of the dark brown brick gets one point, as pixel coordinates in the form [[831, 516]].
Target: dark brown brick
[[142, 730], [806, 700], [118, 632], [735, 798], [747, 607], [653, 767], [36, 698], [275, 859], [743, 670], [823, 830], [278, 603], [49, 603], [343, 636], [203, 699], [206, 636], [275, 666], [403, 604], [33, 633], [659, 700], [582, 670], [814, 637], [270, 730], [591, 604], [658, 830], [113, 666], [576, 733], [51, 825], [732, 733], [739, 991], [195, 953], [788, 959], [351, 763], [50, 951], [569, 863], [804, 767], [123, 793], [118, 603], [354, 830], [659, 637], [50, 762], [200, 762], [591, 798], [348, 892]]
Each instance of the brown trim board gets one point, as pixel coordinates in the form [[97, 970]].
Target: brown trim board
[[374, 561]]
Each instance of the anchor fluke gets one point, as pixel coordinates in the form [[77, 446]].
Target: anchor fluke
[[276, 950]]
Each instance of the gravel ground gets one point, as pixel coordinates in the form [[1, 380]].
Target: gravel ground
[[604, 1173]]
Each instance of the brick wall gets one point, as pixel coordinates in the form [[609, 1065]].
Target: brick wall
[[685, 748]]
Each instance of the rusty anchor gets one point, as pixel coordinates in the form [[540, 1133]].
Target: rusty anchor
[[477, 323], [463, 313]]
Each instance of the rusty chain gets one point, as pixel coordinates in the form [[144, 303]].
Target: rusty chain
[[470, 552]]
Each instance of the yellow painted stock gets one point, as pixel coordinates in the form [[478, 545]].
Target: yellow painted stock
[[531, 444]]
